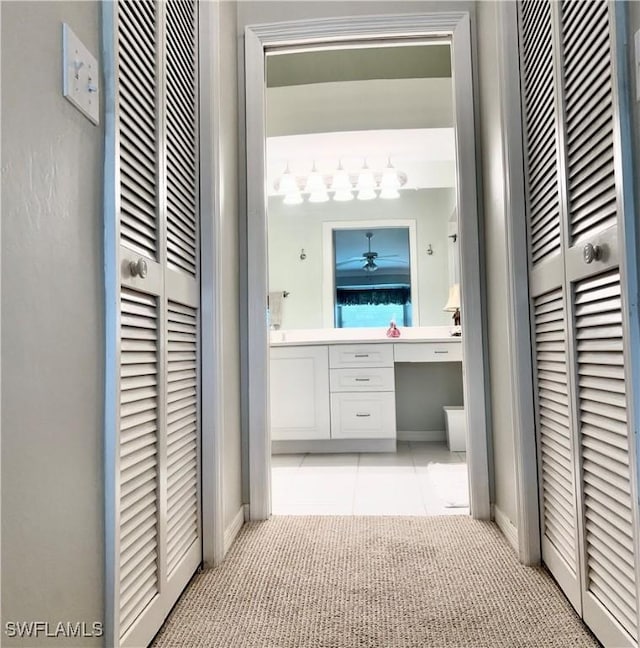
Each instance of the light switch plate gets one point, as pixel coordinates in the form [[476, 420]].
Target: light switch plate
[[80, 75], [636, 62]]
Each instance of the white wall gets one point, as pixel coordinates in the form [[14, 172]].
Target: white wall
[[293, 227], [421, 392], [52, 328], [495, 218]]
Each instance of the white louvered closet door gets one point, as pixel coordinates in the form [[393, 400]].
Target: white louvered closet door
[[592, 208], [156, 465], [556, 445], [587, 479]]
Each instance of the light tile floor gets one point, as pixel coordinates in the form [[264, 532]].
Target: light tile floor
[[419, 479]]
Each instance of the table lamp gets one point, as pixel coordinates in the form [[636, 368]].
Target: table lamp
[[453, 306]]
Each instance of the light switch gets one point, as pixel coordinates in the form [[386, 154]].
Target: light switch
[[80, 75], [636, 62]]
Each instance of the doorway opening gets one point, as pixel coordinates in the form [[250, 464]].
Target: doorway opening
[[327, 391], [355, 189]]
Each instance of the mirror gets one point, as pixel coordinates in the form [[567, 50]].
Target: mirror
[[372, 288], [361, 140]]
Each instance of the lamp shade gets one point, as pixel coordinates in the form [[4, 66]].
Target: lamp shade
[[288, 183], [315, 182], [341, 180], [453, 303], [366, 179]]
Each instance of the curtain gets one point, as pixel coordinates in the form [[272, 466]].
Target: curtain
[[373, 296]]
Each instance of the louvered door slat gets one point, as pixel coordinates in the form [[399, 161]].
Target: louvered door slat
[[586, 56], [137, 94], [605, 450], [143, 14], [557, 469], [182, 430], [138, 456], [182, 185], [537, 67]]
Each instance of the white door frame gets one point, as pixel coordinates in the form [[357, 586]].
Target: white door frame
[[455, 26], [519, 336], [212, 450]]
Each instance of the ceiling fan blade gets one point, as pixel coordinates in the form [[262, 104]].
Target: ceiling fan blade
[[351, 260], [394, 261]]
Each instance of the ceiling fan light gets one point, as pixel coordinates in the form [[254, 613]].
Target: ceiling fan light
[[294, 198], [389, 193], [370, 267], [366, 194]]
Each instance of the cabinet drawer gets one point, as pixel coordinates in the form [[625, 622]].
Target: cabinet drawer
[[365, 379], [360, 355], [363, 416], [428, 352]]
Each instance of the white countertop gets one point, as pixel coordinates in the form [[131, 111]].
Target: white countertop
[[355, 335]]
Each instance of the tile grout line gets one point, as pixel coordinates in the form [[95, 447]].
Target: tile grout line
[[420, 489]]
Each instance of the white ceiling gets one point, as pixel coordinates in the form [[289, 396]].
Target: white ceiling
[[409, 120], [359, 105]]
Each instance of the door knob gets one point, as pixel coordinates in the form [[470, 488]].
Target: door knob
[[138, 268], [591, 253]]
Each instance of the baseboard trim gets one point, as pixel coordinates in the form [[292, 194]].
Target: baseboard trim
[[508, 529], [422, 435], [233, 529], [333, 445]]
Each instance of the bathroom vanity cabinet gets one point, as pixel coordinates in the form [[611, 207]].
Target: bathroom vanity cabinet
[[342, 396]]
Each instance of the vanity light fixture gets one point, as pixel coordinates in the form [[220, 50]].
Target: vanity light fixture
[[366, 184], [390, 182], [341, 185], [316, 187], [390, 179], [288, 183]]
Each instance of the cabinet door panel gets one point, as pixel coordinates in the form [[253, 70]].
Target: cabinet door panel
[[299, 381]]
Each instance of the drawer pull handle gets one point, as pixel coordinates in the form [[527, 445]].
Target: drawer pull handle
[[363, 414], [363, 379], [441, 352], [361, 355]]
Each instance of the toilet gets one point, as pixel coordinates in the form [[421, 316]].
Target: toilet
[[455, 426]]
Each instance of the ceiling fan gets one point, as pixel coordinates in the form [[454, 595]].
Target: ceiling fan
[[370, 257]]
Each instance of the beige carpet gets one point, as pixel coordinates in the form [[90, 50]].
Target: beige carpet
[[375, 582]]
